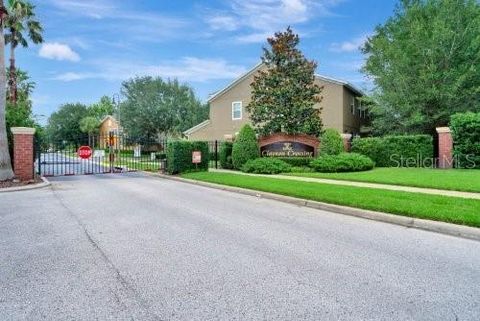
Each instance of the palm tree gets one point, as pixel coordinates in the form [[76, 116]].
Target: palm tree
[[21, 18], [6, 172]]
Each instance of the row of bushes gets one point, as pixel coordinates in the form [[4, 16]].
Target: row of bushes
[[396, 151], [466, 136], [344, 162]]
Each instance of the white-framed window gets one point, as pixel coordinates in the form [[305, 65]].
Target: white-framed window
[[352, 105], [237, 110]]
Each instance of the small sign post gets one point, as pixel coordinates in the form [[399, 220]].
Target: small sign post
[[196, 157], [84, 152]]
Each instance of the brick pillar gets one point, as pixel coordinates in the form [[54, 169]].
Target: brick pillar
[[445, 148], [23, 154], [347, 142]]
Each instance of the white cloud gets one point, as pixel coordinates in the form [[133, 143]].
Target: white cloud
[[264, 17], [58, 51], [223, 23], [91, 8], [253, 37], [349, 46], [188, 69], [72, 76]]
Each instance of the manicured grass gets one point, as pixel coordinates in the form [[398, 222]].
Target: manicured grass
[[439, 208], [466, 180]]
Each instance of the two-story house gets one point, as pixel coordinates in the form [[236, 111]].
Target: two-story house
[[341, 108]]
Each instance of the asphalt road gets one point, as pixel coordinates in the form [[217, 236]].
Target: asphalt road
[[131, 247]]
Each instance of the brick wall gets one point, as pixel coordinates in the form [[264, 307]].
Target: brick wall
[[23, 153], [445, 148], [347, 142]]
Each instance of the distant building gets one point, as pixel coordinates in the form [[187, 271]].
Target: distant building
[[108, 125], [342, 109]]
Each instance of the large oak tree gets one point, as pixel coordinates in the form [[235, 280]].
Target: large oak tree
[[424, 63]]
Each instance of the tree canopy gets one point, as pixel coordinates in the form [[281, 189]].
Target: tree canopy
[[424, 63], [154, 107], [284, 94], [64, 124]]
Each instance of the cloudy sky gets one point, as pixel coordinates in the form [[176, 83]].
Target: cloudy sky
[[91, 46]]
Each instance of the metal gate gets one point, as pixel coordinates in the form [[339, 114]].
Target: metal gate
[[98, 154]]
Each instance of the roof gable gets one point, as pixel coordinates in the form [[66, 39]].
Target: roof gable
[[259, 65]]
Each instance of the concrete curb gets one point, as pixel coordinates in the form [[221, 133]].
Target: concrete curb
[[44, 183], [426, 225]]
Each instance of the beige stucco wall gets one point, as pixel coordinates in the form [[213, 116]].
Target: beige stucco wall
[[335, 110], [331, 104], [351, 123]]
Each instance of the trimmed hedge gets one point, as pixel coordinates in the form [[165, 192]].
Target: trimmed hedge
[[266, 166], [331, 143], [226, 155], [179, 157], [296, 161], [396, 151], [245, 147], [466, 137], [344, 162]]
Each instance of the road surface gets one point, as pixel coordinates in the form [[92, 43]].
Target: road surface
[[132, 247]]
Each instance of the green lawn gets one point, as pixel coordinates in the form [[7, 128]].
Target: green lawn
[[432, 207], [467, 180]]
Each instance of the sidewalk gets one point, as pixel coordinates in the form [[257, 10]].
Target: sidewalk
[[361, 184]]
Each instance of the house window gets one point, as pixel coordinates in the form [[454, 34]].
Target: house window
[[237, 110], [363, 110], [352, 106]]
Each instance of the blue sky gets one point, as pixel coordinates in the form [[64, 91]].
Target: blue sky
[[91, 46]]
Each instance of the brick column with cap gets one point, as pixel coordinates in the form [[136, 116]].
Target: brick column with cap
[[23, 153], [347, 142], [445, 148]]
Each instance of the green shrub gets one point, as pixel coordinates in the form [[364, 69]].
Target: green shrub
[[226, 155], [466, 137], [331, 143], [345, 162], [266, 166], [301, 169], [179, 156], [396, 151], [245, 147], [211, 155], [296, 161]]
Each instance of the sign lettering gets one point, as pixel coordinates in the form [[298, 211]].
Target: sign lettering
[[287, 149]]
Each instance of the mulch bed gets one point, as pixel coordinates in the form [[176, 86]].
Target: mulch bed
[[15, 183]]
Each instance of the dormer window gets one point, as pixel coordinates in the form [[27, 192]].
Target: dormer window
[[236, 110]]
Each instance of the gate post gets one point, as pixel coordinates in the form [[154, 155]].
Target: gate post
[[216, 154], [347, 142], [445, 148], [23, 153]]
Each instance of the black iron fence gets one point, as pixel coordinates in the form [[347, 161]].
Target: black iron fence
[[100, 154]]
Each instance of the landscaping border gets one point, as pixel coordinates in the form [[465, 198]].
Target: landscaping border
[[426, 225], [45, 183]]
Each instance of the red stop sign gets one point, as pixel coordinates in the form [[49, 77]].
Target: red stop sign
[[84, 152]]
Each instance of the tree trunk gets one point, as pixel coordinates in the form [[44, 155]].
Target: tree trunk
[[12, 79], [6, 172]]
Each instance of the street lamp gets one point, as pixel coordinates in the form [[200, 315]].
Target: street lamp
[[116, 103]]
